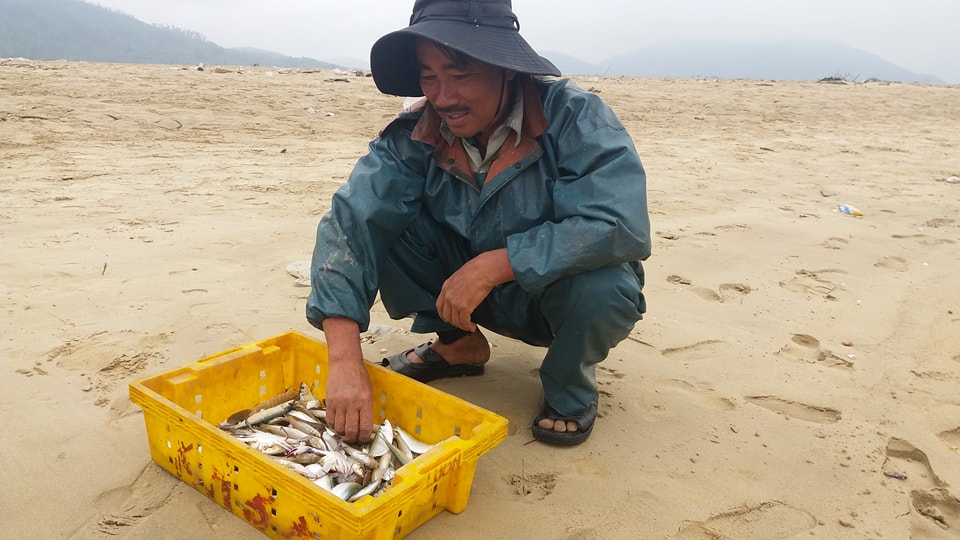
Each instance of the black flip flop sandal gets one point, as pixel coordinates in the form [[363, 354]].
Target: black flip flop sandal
[[434, 365], [584, 422]]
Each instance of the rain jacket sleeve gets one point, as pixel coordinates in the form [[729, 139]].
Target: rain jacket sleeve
[[599, 196], [369, 212]]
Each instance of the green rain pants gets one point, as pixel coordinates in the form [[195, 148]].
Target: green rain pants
[[579, 318]]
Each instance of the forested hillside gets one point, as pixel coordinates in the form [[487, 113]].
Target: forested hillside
[[75, 30]]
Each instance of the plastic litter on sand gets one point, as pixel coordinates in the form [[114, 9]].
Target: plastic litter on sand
[[849, 210]]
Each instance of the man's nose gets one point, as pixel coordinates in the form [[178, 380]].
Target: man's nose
[[446, 96]]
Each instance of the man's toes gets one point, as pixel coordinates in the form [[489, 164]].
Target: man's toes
[[560, 426]]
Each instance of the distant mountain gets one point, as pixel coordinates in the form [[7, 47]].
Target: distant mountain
[[354, 63], [74, 30], [784, 60], [571, 65]]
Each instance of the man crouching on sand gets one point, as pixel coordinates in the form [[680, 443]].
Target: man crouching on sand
[[504, 200]]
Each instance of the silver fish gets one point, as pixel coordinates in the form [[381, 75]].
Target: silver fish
[[365, 490], [284, 431], [326, 482], [292, 428], [345, 489], [381, 439], [265, 415], [401, 445], [415, 445], [302, 426]]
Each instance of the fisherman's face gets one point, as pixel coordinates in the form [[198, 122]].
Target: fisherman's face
[[470, 96]]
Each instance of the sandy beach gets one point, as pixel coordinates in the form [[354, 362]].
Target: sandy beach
[[797, 374]]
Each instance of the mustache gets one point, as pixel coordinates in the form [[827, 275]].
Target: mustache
[[452, 110]]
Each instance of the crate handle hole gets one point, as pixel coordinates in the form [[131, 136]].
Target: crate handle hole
[[274, 512], [236, 469], [236, 487], [273, 493], [456, 430]]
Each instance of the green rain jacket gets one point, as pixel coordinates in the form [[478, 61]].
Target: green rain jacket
[[571, 197]]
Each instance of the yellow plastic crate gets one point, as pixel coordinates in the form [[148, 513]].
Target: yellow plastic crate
[[182, 407]]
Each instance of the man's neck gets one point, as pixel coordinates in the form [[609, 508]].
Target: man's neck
[[506, 105]]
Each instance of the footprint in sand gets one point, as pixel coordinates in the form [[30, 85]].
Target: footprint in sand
[[108, 360], [611, 372], [813, 283], [734, 227], [698, 394], [806, 348], [702, 292], [794, 409], [951, 437], [931, 501], [769, 519], [923, 239], [898, 264], [729, 292], [936, 223], [536, 486], [906, 459], [701, 350], [734, 292], [666, 235], [128, 505], [835, 243]]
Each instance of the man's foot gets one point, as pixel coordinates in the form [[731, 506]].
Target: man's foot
[[552, 427], [471, 349], [430, 361]]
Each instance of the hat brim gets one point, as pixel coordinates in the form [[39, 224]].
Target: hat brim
[[393, 59]]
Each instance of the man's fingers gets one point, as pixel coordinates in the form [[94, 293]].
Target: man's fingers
[[336, 418], [366, 428], [351, 427]]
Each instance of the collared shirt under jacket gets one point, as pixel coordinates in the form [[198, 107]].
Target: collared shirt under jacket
[[571, 197]]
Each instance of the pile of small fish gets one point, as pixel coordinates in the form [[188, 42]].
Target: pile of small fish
[[292, 428]]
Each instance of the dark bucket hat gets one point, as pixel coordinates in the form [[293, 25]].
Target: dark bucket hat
[[483, 29]]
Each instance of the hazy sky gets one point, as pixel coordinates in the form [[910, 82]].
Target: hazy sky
[[919, 35]]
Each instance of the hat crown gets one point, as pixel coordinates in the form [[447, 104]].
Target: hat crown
[[476, 12]]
